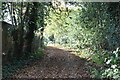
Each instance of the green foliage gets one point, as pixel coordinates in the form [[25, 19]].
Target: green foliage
[[111, 65], [99, 56], [84, 53], [15, 65], [88, 26], [38, 54], [26, 18], [93, 26]]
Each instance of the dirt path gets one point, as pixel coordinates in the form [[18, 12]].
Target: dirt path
[[57, 63]]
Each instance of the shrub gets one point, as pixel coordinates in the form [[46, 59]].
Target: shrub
[[111, 65]]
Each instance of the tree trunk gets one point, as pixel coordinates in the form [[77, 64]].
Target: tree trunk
[[21, 33], [31, 28]]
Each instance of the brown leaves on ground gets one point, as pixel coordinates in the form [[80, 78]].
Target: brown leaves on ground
[[57, 63]]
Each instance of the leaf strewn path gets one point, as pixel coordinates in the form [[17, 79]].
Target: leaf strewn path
[[57, 63]]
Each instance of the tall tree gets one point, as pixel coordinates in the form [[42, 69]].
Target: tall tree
[[32, 26]]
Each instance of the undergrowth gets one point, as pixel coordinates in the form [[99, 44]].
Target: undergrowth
[[110, 65], [17, 64]]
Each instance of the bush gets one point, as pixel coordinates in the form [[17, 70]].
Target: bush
[[111, 65]]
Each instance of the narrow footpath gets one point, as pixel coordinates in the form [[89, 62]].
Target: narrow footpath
[[57, 63]]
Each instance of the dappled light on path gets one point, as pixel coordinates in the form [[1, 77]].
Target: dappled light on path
[[57, 63]]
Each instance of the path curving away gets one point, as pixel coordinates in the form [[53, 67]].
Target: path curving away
[[57, 63]]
